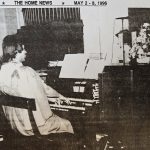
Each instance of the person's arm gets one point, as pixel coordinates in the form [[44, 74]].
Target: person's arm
[[53, 94], [4, 88], [8, 90]]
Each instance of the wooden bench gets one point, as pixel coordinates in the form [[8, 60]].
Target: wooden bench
[[38, 141]]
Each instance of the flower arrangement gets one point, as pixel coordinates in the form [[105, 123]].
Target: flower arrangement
[[140, 51]]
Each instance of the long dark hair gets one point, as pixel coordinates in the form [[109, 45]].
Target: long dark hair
[[9, 46]]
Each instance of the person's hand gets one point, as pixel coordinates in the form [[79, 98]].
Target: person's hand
[[67, 101], [58, 101], [64, 99]]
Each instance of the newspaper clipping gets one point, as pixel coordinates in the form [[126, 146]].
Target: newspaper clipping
[[74, 75]]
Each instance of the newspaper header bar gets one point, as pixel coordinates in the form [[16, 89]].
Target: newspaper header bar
[[36, 3]]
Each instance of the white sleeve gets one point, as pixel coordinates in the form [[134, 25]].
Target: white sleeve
[[4, 87], [50, 92]]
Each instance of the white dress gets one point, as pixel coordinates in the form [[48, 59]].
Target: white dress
[[19, 80]]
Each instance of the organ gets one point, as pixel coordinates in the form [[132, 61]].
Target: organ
[[122, 108], [49, 34], [35, 16], [83, 111]]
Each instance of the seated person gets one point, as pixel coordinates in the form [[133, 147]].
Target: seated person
[[23, 81]]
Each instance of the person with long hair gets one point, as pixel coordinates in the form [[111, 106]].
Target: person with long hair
[[22, 81]]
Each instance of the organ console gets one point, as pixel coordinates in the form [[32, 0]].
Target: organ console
[[83, 110], [118, 107], [79, 101]]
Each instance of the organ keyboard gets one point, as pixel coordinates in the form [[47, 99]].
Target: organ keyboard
[[75, 104], [83, 115], [84, 109], [66, 108]]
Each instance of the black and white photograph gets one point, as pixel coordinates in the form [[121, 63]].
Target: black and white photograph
[[75, 75]]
